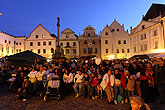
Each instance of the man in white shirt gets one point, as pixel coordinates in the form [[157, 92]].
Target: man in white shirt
[[78, 83]]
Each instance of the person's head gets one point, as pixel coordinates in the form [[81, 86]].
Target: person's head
[[56, 70], [25, 67], [160, 61], [20, 68], [109, 72], [116, 71], [126, 73], [41, 69], [99, 76], [148, 65], [137, 102], [45, 68], [33, 69], [66, 71], [92, 75], [79, 72], [86, 75], [131, 77]]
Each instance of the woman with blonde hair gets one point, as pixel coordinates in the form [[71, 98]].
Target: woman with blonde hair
[[137, 103]]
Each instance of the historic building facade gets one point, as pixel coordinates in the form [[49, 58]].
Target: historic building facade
[[115, 42], [89, 43], [41, 42], [70, 43], [10, 45], [149, 36]]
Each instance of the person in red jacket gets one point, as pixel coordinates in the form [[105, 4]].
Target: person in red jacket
[[93, 86]]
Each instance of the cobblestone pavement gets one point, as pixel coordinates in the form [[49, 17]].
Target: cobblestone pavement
[[8, 101]]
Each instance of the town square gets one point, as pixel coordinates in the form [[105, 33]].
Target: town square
[[86, 55]]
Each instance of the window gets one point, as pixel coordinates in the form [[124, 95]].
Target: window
[[50, 43], [143, 27], [125, 42], [38, 43], [19, 50], [119, 42], [74, 43], [141, 47], [14, 42], [74, 51], [44, 50], [106, 50], [117, 29], [89, 50], [89, 34], [84, 50], [141, 37], [117, 50], [95, 50], [20, 43], [144, 36], [61, 44], [67, 51], [52, 50], [122, 50], [93, 42], [36, 36], [17, 43], [5, 41], [67, 43], [44, 43], [145, 46], [106, 33], [156, 45], [155, 33], [31, 43], [128, 51], [39, 51], [134, 49], [85, 41], [9, 42], [106, 41]]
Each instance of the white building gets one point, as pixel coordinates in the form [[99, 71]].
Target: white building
[[10, 45], [41, 42], [70, 43], [149, 36], [115, 42]]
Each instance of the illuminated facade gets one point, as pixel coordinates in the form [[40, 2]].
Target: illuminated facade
[[70, 43], [89, 43], [149, 36], [10, 45], [115, 42], [41, 42]]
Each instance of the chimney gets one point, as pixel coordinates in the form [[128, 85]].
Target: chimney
[[142, 17], [131, 29]]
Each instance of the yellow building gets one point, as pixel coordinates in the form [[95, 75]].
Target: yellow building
[[149, 36], [70, 43], [115, 42], [10, 45], [41, 42]]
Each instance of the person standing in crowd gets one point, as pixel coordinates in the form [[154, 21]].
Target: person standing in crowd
[[86, 86], [118, 86], [107, 85], [93, 86], [99, 88], [78, 83]]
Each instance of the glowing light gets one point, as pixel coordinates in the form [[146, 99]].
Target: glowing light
[[111, 57], [159, 51]]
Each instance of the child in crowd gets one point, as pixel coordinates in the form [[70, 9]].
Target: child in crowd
[[131, 86], [93, 85], [99, 88], [86, 86]]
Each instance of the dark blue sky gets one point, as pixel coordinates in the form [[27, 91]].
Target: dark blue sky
[[20, 17]]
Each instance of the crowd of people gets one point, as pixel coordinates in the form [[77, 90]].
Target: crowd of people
[[118, 80]]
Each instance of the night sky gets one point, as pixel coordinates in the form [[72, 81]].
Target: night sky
[[20, 17]]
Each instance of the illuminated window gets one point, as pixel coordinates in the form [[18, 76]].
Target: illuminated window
[[128, 51], [89, 50], [67, 51], [123, 51]]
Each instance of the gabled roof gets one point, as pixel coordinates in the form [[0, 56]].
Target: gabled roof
[[43, 28], [67, 29], [114, 23], [154, 11], [89, 28]]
